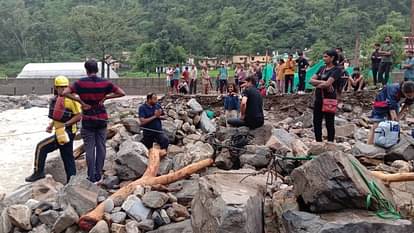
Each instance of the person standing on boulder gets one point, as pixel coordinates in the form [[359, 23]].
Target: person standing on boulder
[[324, 82], [251, 107], [150, 116], [91, 92], [65, 113]]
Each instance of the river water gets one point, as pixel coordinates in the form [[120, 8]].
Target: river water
[[18, 143]]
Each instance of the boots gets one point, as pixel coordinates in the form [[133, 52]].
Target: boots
[[35, 176]]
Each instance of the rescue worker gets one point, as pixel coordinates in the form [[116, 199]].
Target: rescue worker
[[64, 113]]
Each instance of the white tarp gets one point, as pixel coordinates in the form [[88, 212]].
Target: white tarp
[[51, 70]]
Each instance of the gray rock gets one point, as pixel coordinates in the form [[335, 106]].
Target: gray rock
[[281, 140], [111, 182], [73, 229], [165, 217], [194, 153], [135, 209], [182, 227], [155, 199], [351, 221], [174, 150], [100, 227], [364, 150], [45, 190], [172, 114], [81, 194], [131, 160], [20, 216], [224, 160], [177, 212], [132, 125], [49, 217], [225, 205], [118, 217], [282, 201], [196, 120], [330, 182], [192, 138], [166, 165], [187, 128], [404, 150], [346, 130], [67, 219], [361, 134], [109, 205], [146, 225], [5, 224], [118, 228], [132, 227], [195, 106], [31, 203], [206, 124], [187, 190], [41, 229], [260, 159], [261, 135], [170, 129]]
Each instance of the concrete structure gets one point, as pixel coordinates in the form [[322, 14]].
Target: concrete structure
[[51, 70]]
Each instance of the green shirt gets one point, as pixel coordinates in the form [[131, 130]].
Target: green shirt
[[387, 48]]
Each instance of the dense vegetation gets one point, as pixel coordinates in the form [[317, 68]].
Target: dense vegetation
[[167, 31]]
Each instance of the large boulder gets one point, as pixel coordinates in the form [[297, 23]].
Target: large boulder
[[331, 182], [80, 193], [281, 140], [403, 193], [170, 129], [361, 149], [54, 166], [132, 125], [131, 160], [350, 221], [42, 190], [67, 219], [224, 204], [5, 224], [186, 190], [257, 156], [155, 199], [346, 130], [404, 150], [194, 153], [262, 134]]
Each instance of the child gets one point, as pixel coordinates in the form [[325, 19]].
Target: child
[[356, 81], [262, 88], [231, 102], [387, 104], [183, 87]]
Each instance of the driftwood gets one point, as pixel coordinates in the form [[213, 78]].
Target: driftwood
[[389, 178], [89, 220]]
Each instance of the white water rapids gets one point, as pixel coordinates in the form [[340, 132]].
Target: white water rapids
[[17, 148]]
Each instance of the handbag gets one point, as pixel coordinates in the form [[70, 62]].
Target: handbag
[[329, 105]]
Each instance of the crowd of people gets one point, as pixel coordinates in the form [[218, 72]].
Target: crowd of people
[[83, 101]]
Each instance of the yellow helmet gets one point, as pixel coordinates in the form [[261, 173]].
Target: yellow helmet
[[61, 81]]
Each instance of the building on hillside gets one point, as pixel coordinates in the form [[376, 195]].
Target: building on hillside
[[213, 62], [51, 70], [246, 60]]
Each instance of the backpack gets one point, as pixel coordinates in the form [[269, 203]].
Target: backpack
[[387, 134]]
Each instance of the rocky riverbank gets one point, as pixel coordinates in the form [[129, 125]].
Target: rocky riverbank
[[254, 185]]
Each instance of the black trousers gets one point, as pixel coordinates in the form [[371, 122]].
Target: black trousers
[[375, 69], [223, 86], [289, 79], [236, 122], [50, 144], [160, 138], [318, 117], [302, 77], [193, 86], [384, 72]]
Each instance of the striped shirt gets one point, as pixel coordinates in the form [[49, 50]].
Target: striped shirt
[[92, 90]]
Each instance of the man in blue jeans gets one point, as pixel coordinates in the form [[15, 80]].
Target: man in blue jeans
[[150, 116], [91, 92]]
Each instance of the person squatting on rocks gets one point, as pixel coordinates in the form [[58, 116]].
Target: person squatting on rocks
[[251, 108], [65, 113], [91, 92], [356, 81], [324, 82], [150, 116], [387, 104]]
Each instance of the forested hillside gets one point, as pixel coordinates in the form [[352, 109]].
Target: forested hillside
[[168, 30]]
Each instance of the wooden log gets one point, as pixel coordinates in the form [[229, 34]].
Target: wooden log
[[389, 178], [89, 220]]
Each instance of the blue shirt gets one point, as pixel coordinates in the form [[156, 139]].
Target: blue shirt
[[392, 95], [409, 72], [223, 73], [176, 75], [146, 111], [231, 102]]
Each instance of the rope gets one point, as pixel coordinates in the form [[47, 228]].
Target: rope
[[386, 210]]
